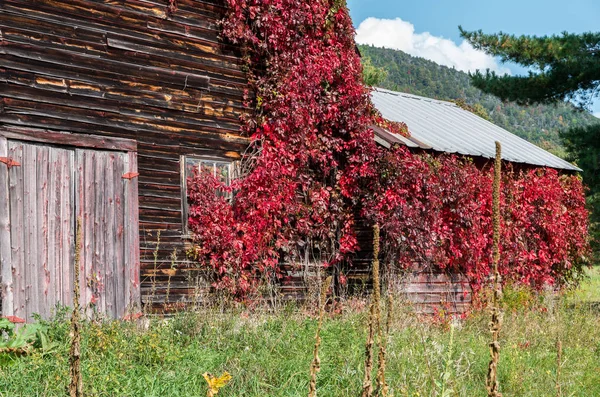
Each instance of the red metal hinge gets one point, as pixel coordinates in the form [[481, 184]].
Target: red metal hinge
[[14, 319], [131, 175], [9, 162]]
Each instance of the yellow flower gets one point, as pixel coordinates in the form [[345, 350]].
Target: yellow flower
[[214, 384]]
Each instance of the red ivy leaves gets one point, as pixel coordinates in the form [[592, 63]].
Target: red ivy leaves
[[436, 213], [317, 159], [311, 128]]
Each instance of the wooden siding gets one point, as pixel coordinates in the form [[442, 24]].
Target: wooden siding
[[437, 292], [427, 291], [128, 69]]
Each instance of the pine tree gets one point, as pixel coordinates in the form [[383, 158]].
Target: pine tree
[[563, 66]]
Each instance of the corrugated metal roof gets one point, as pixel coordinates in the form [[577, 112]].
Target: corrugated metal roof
[[445, 127]]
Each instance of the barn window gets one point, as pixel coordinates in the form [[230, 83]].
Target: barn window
[[224, 170]]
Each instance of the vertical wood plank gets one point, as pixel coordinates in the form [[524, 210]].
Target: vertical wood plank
[[59, 220], [121, 299], [53, 227], [89, 221], [80, 214], [132, 246], [98, 268], [17, 236], [67, 226], [31, 243], [109, 234], [6, 291], [40, 289]]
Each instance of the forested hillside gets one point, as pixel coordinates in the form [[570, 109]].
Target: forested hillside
[[539, 124]]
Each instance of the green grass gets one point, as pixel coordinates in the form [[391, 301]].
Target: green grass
[[590, 289], [270, 355]]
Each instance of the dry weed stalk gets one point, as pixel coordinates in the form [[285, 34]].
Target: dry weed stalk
[[316, 363], [558, 348], [374, 325], [76, 384], [148, 306], [367, 384], [382, 387], [171, 272], [496, 322]]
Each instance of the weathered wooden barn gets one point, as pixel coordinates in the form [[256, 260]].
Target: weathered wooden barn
[[104, 108]]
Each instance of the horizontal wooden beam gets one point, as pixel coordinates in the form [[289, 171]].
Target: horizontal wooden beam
[[68, 139]]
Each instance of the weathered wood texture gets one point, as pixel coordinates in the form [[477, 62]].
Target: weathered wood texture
[[127, 69], [431, 293], [41, 204], [6, 281], [49, 190], [428, 291], [109, 271]]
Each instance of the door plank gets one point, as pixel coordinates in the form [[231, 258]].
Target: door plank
[[6, 290], [121, 299], [41, 284], [109, 234], [66, 201], [53, 228], [88, 158], [98, 264], [17, 236], [31, 243], [132, 252]]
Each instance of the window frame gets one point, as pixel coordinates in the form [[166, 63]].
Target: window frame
[[233, 166]]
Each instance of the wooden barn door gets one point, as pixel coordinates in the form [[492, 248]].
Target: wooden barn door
[[106, 202], [49, 187]]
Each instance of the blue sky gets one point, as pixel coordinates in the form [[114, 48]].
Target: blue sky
[[429, 28]]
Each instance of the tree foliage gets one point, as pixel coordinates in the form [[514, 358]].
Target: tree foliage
[[372, 75], [583, 147], [564, 66]]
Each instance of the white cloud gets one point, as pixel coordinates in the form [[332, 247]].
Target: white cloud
[[400, 35], [597, 114]]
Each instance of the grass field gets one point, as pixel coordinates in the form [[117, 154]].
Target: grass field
[[590, 290], [270, 354]]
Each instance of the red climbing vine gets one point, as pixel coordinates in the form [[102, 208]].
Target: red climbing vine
[[436, 213], [313, 160], [311, 142]]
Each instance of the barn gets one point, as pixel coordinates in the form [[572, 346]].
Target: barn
[[107, 107], [104, 108], [444, 127]]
